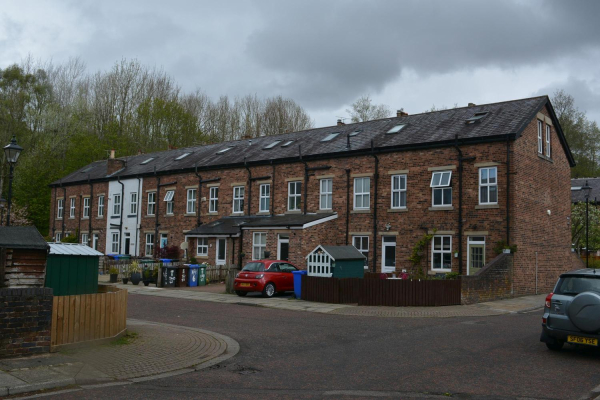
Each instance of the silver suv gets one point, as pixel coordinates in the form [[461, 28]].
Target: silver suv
[[572, 311]]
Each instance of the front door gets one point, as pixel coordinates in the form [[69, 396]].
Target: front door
[[127, 243], [221, 251], [283, 247], [388, 259], [476, 254]]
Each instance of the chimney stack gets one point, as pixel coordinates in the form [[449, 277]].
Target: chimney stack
[[472, 104], [114, 164], [340, 122], [401, 113], [112, 154]]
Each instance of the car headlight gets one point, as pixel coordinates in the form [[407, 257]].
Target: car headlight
[[259, 276]]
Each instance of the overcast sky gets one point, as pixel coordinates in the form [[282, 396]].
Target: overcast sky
[[325, 54]]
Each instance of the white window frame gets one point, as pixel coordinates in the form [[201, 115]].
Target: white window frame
[[85, 238], [114, 244], [100, 206], [202, 246], [151, 209], [441, 251], [540, 141], [326, 194], [439, 185], [360, 247], [133, 200], [238, 199], [58, 237], [213, 204], [398, 191], [548, 132], [191, 201], [295, 196], [164, 243], [170, 202], [72, 202], [86, 207], [117, 204], [60, 208], [264, 202], [487, 185], [259, 246], [149, 249], [363, 194]]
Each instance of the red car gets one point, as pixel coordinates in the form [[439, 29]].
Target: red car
[[266, 276]]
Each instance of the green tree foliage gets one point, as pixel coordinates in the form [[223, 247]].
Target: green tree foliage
[[578, 226]]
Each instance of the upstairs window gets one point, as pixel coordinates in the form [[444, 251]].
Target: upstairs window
[[540, 141], [213, 204], [362, 193], [133, 203], [191, 201], [117, 205], [86, 207], [151, 203], [60, 208], [238, 199], [488, 185], [265, 197], [398, 191], [72, 208], [441, 189], [326, 194], [101, 206], [294, 195], [169, 200], [548, 152]]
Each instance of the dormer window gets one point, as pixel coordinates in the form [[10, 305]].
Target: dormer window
[[270, 146], [181, 157], [147, 161], [477, 117], [330, 137], [397, 128]]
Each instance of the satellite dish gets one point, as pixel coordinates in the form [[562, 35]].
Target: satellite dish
[[184, 245]]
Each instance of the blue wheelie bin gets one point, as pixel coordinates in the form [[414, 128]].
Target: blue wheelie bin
[[193, 275], [298, 282]]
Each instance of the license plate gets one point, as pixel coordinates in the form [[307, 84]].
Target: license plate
[[245, 284], [582, 340]]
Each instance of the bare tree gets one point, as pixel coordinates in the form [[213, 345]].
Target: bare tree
[[364, 110]]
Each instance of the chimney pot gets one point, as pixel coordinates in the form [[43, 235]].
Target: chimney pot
[[112, 154], [472, 104], [340, 122], [401, 113]]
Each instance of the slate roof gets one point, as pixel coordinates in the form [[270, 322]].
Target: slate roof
[[437, 128], [343, 253], [578, 195], [73, 249], [22, 237], [231, 225]]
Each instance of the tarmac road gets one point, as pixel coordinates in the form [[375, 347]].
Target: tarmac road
[[300, 355]]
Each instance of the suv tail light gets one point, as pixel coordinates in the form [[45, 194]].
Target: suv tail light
[[549, 300]]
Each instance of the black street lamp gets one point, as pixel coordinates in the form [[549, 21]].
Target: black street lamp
[[587, 190], [12, 152]]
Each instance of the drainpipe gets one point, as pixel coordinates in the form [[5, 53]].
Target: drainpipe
[[199, 196], [347, 205], [90, 212], [249, 186], [121, 214], [375, 182], [507, 191], [460, 198], [137, 216]]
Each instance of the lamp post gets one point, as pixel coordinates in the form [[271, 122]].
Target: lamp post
[[587, 189], [12, 151]]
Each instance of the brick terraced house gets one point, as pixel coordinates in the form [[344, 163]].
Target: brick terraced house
[[473, 176]]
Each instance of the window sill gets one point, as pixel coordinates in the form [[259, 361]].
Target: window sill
[[325, 210], [212, 213], [438, 271], [102, 217], [237, 214], [263, 213], [486, 206], [545, 157], [149, 216], [71, 217], [397, 210], [293, 212], [441, 208], [115, 217], [190, 214], [132, 216], [169, 215], [360, 212], [59, 219], [85, 217]]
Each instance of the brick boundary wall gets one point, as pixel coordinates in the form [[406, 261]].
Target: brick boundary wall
[[492, 282], [25, 321]]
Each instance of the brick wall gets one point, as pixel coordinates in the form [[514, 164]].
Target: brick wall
[[493, 282], [25, 319]]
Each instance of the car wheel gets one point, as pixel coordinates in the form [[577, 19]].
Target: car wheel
[[241, 293], [556, 346], [269, 290]]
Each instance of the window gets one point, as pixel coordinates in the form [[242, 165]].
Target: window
[[225, 150], [548, 153], [476, 118], [540, 144], [84, 238], [330, 137], [398, 191], [72, 208], [238, 199], [441, 190], [488, 185], [326, 198], [147, 161], [356, 132], [181, 157], [202, 247], [213, 205], [191, 201], [441, 253], [133, 203], [101, 206], [60, 208], [117, 204], [164, 240], [397, 128], [286, 144], [259, 245], [58, 236], [115, 243], [169, 200], [151, 203], [362, 244], [294, 195], [150, 244], [86, 207], [265, 197], [271, 145], [362, 193]]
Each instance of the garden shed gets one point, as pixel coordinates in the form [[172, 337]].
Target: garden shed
[[336, 262], [23, 253], [72, 269]]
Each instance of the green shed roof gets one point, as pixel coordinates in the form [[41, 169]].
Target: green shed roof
[[339, 253]]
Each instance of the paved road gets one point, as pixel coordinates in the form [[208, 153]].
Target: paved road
[[300, 355]]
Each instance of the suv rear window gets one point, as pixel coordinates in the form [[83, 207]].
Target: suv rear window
[[573, 285], [254, 267]]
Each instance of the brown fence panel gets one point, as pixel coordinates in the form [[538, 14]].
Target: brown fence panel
[[402, 293], [81, 318]]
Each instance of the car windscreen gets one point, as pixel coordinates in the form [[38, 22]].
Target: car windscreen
[[573, 285], [254, 267]]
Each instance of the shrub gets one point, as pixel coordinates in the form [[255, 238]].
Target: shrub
[[113, 271]]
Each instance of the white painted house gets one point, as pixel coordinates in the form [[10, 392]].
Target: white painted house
[[124, 215]]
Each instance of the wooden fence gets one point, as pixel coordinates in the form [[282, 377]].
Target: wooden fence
[[86, 317], [381, 292]]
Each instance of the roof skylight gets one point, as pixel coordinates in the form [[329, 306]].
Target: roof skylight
[[87, 169], [356, 132], [477, 117], [181, 157], [397, 128], [286, 144], [330, 137], [225, 150], [147, 161], [271, 145]]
